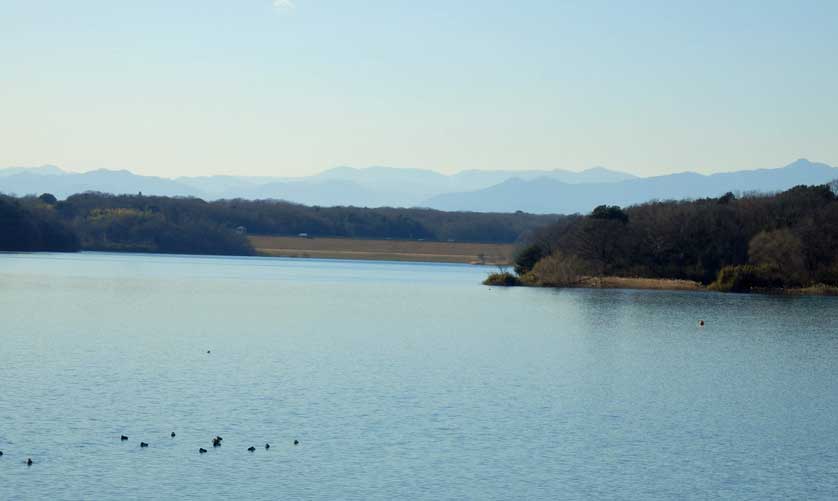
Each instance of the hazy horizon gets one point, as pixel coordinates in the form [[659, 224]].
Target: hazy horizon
[[290, 89], [450, 173]]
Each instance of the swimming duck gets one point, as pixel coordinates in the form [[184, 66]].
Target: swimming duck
[[216, 442], [29, 462], [251, 448], [296, 442], [202, 451], [173, 434], [143, 444], [267, 446], [1, 453], [123, 438]]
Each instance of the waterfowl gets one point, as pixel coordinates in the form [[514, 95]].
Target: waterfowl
[[173, 434], [123, 438], [701, 323], [1, 453], [143, 444], [296, 442], [208, 351], [267, 446], [251, 448], [202, 451], [29, 462], [216, 442]]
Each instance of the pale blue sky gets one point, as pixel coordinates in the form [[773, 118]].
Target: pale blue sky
[[181, 87]]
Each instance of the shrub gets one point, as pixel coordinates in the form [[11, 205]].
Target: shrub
[[502, 278], [560, 270], [744, 278], [527, 257]]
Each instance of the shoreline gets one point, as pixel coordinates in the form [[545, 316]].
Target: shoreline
[[671, 284]]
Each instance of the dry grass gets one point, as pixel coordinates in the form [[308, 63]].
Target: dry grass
[[383, 250], [641, 283]]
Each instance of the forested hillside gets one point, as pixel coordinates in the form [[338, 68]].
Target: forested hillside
[[789, 239], [34, 226], [190, 225]]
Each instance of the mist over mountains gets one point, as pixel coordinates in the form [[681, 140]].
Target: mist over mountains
[[535, 191]]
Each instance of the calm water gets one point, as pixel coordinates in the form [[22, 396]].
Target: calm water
[[402, 381]]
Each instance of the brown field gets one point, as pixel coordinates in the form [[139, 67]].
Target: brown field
[[384, 250]]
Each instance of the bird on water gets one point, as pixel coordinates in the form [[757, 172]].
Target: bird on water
[[202, 450], [296, 442], [123, 438], [267, 446], [251, 448], [173, 434], [29, 462], [143, 444]]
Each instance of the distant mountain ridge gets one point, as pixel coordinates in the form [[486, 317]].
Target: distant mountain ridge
[[543, 195], [536, 191], [369, 186]]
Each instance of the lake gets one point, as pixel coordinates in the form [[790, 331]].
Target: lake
[[402, 380]]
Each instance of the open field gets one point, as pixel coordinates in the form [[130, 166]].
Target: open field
[[384, 250]]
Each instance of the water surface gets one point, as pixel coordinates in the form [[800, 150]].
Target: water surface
[[402, 380]]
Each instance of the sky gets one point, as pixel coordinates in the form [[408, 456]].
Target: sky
[[294, 87]]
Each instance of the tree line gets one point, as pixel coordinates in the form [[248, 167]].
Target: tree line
[[99, 221], [782, 240]]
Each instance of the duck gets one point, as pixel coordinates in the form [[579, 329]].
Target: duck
[[202, 451], [701, 323], [267, 446], [216, 442], [123, 438], [251, 448], [296, 442], [143, 444], [29, 462], [1, 453], [173, 434]]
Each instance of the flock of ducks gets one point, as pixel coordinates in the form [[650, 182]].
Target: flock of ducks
[[216, 442]]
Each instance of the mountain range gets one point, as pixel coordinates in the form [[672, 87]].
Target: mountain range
[[535, 191]]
